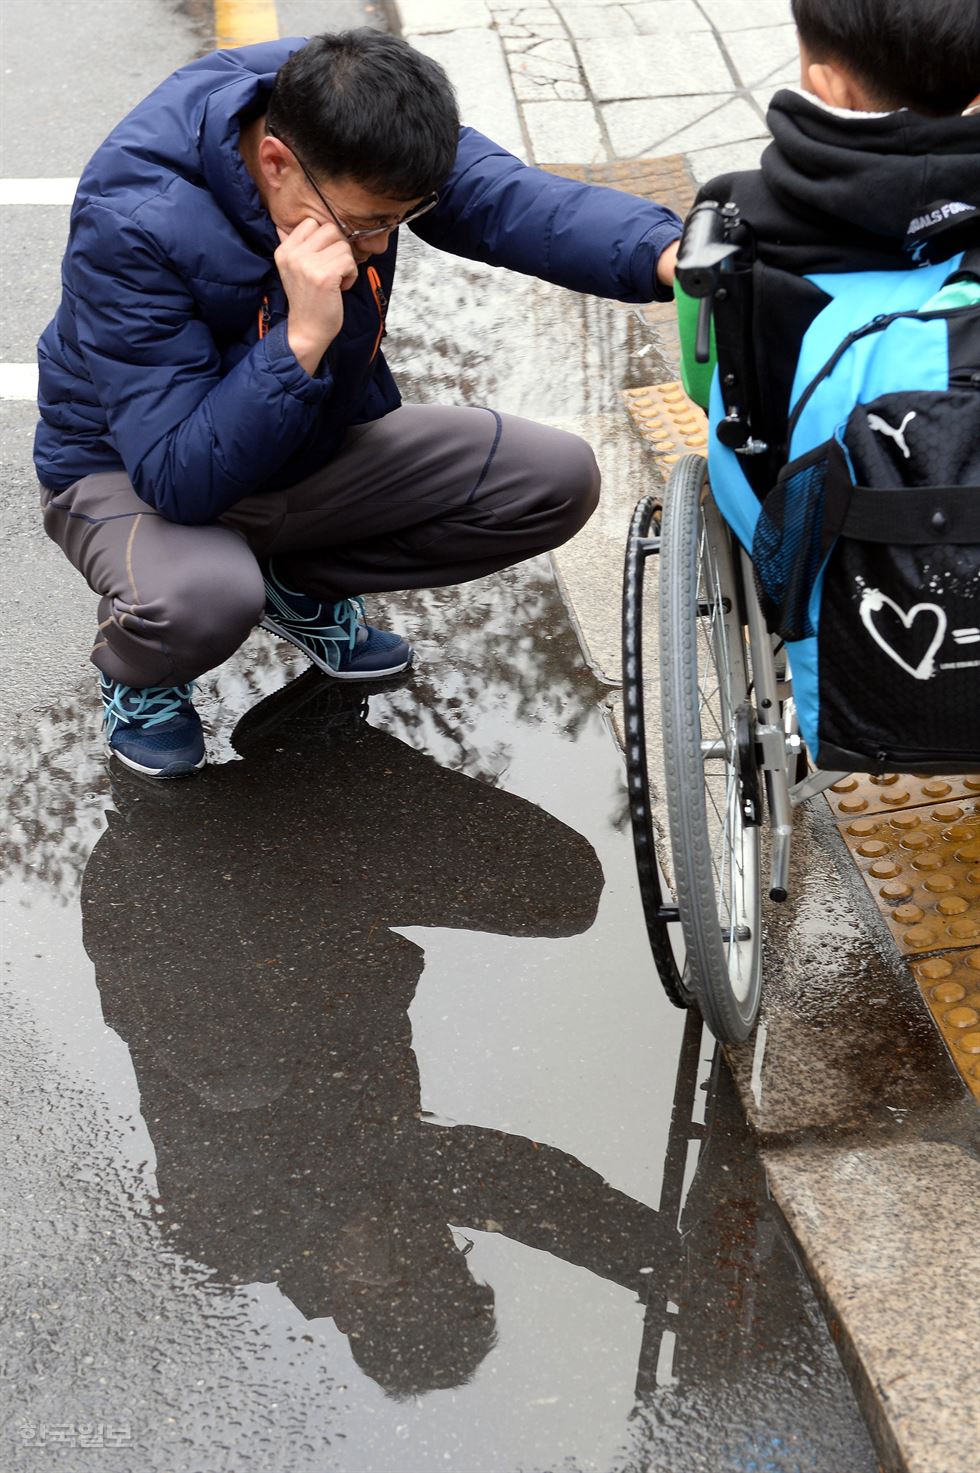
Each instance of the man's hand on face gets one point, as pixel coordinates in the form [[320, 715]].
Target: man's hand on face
[[316, 266]]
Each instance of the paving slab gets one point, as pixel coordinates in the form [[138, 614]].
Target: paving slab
[[727, 158], [564, 130], [681, 124], [736, 15], [598, 20], [523, 38], [654, 66], [666, 179], [544, 63], [767, 56], [475, 61], [418, 17], [663, 16]]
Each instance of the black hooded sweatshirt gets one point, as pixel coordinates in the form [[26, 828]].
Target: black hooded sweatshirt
[[841, 192]]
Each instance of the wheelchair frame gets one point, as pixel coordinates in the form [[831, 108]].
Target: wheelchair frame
[[731, 741], [729, 733]]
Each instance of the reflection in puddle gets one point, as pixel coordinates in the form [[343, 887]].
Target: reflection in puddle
[[268, 1018]]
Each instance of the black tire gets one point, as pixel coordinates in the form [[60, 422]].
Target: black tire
[[641, 700], [709, 757]]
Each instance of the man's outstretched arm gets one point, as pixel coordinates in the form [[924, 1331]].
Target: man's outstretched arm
[[495, 208], [540, 1195]]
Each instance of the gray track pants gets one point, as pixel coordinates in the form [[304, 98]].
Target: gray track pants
[[425, 497]]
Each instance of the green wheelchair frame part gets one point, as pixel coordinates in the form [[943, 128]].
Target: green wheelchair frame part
[[695, 376]]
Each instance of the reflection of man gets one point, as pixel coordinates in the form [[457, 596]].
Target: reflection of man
[[267, 1015], [221, 442]]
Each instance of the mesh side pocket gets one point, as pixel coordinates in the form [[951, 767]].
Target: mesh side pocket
[[786, 547]]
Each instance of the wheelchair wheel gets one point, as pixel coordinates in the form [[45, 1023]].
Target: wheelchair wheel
[[714, 796], [641, 709]]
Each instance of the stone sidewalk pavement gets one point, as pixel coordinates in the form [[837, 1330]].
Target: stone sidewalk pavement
[[606, 80]]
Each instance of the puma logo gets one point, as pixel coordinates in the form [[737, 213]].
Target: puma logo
[[884, 428]]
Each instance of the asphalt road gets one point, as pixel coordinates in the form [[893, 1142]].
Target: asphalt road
[[344, 1124]]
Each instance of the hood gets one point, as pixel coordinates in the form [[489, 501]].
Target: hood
[[897, 178], [188, 129]]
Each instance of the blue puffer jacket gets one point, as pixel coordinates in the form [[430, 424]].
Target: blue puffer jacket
[[153, 362]]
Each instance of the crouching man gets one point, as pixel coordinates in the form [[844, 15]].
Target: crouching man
[[221, 443]]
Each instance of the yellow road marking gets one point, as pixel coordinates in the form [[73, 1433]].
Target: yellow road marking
[[244, 22]]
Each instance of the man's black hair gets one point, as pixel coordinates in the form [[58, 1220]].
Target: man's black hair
[[919, 54], [366, 106]]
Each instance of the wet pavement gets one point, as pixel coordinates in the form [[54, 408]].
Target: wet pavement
[[344, 1124]]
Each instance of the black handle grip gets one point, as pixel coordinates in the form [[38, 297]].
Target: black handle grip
[[705, 247], [702, 340]]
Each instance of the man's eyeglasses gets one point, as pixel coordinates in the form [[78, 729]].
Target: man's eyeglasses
[[429, 203]]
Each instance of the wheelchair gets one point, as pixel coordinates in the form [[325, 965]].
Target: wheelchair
[[715, 684]]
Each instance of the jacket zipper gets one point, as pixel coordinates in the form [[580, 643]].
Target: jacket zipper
[[381, 302]]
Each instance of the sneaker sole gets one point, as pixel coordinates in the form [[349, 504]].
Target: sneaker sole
[[176, 769], [273, 628]]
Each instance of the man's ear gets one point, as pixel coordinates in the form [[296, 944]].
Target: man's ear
[[275, 161]]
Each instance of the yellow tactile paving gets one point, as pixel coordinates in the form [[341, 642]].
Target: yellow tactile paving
[[668, 420], [951, 986], [860, 794], [916, 840], [922, 865]]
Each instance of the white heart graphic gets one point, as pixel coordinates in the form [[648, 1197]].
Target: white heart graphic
[[872, 601]]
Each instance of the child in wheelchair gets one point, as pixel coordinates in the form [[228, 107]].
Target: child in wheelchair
[[840, 283]]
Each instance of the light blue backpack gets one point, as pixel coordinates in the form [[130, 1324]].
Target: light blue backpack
[[867, 549]]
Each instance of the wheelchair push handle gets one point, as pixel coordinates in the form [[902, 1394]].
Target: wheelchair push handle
[[707, 246]]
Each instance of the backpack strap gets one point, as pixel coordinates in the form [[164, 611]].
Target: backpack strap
[[905, 517], [900, 515], [968, 269]]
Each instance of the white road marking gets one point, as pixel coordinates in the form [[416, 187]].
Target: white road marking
[[18, 381], [37, 191]]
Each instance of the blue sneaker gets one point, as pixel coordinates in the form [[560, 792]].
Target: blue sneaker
[[155, 730], [334, 636]]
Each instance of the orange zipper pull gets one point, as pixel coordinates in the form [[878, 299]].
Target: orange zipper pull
[[381, 302]]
